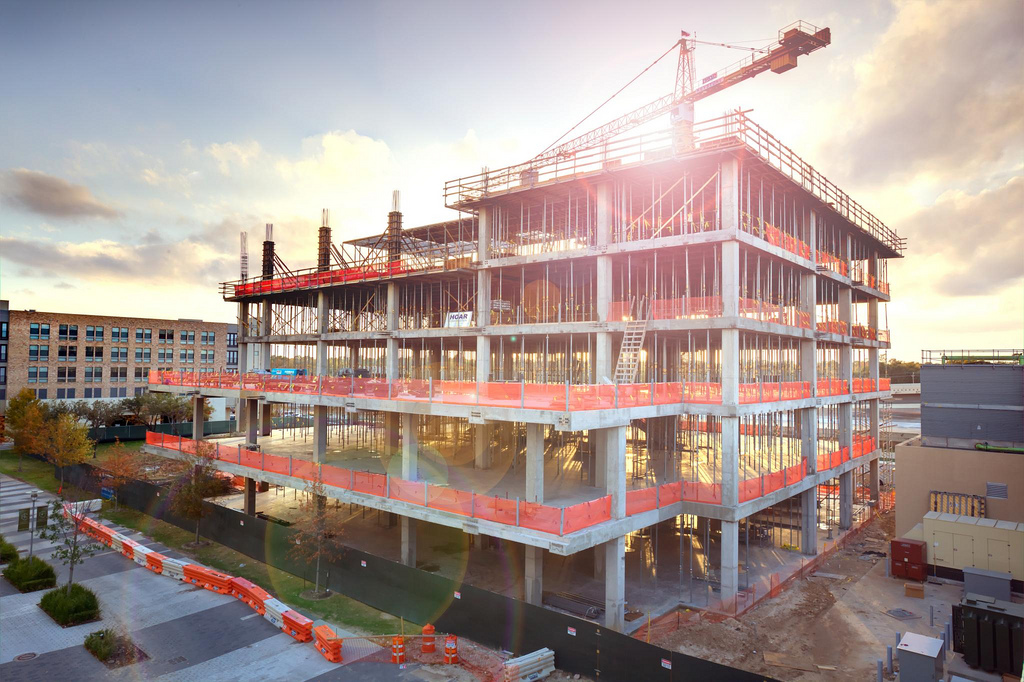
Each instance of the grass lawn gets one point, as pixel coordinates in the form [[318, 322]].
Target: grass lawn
[[339, 609]]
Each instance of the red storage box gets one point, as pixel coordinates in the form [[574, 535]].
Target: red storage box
[[912, 551], [917, 572]]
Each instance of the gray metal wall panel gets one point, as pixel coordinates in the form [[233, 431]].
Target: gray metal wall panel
[[972, 384], [997, 425]]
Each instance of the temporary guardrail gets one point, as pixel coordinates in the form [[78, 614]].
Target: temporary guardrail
[[555, 397]]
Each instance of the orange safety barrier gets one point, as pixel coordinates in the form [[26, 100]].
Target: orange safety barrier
[[450, 500], [586, 514], [828, 387], [250, 593], [369, 483], [699, 491], [128, 548], [669, 493], [297, 626], [638, 501], [398, 649], [208, 579], [407, 491], [328, 643], [540, 517], [427, 646], [451, 649], [155, 562], [497, 509]]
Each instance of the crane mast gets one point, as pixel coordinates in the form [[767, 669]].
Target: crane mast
[[780, 56]]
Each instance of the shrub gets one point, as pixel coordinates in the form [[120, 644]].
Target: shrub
[[113, 647], [71, 604], [8, 552], [30, 574]]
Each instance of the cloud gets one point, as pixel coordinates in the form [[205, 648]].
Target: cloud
[[52, 196], [231, 154], [64, 285], [970, 244], [940, 95]]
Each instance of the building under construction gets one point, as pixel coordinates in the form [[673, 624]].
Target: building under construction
[[675, 330]]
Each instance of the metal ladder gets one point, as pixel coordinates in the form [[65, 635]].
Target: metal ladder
[[629, 352]]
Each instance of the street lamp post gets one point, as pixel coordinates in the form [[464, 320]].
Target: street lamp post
[[32, 523]]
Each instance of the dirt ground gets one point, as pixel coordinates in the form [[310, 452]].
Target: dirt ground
[[816, 621]]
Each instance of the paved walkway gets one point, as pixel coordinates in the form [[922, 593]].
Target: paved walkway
[[188, 633]]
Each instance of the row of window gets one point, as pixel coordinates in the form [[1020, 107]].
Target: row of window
[[71, 394], [37, 353], [69, 332], [92, 374]]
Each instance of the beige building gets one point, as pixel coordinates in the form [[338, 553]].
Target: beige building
[[68, 356], [956, 477]]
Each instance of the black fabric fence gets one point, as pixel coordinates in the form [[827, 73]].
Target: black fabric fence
[[107, 434], [486, 617]]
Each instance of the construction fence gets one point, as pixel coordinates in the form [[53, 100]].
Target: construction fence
[[488, 618]]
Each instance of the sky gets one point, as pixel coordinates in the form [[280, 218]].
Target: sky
[[138, 139]]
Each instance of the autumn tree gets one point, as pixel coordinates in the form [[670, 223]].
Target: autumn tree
[[25, 423], [66, 442], [122, 467], [197, 482], [318, 531]]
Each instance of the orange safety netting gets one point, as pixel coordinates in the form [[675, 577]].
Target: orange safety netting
[[670, 493], [540, 517], [497, 509], [369, 483], [407, 491], [315, 279], [699, 491], [450, 500], [642, 500], [586, 514]]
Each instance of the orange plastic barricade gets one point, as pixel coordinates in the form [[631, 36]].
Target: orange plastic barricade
[[208, 579], [328, 643], [540, 517], [491, 508], [398, 649], [297, 626], [450, 500], [428, 639], [155, 562], [274, 611], [128, 548], [451, 649], [587, 514], [406, 491], [250, 593], [638, 501]]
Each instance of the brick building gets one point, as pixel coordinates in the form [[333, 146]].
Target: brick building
[[68, 356]]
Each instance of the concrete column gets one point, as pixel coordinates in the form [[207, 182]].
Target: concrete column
[[730, 563], [809, 357], [730, 461], [249, 502], [603, 362], [322, 320], [809, 521], [482, 446], [846, 500], [615, 469], [731, 367], [873, 475], [730, 194], [252, 410], [599, 561], [615, 584], [198, 416], [265, 315], [408, 541], [483, 294], [534, 575], [266, 422], [599, 438], [535, 463], [730, 278], [243, 361], [320, 433], [391, 436], [410, 448], [483, 358], [391, 317]]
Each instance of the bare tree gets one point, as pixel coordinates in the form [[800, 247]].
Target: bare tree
[[71, 546], [318, 533]]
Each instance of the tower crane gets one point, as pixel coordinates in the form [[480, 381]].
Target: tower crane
[[797, 39]]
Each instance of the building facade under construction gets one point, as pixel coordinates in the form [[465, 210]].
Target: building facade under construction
[[653, 333]]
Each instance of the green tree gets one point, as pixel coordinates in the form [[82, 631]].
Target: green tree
[[71, 546], [318, 532], [197, 482], [66, 443], [25, 423]]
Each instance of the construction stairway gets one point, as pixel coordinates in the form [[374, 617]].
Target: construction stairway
[[629, 352]]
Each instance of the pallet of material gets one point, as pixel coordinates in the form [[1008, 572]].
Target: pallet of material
[[533, 666]]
